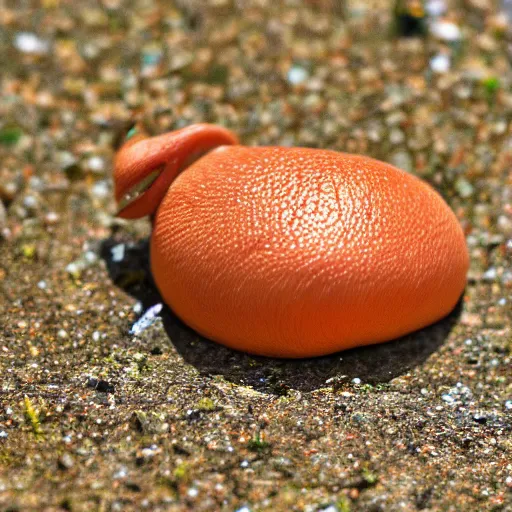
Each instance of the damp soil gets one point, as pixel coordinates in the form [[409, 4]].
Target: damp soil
[[100, 410]]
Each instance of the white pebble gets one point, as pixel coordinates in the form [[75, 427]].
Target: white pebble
[[446, 31], [147, 319], [193, 492], [96, 164], [27, 42], [440, 63], [118, 252], [435, 8], [297, 75]]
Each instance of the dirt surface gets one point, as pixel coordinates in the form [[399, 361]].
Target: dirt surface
[[101, 412]]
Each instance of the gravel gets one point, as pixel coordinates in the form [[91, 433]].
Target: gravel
[[95, 417]]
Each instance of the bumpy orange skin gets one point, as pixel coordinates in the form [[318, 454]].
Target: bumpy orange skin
[[295, 252]]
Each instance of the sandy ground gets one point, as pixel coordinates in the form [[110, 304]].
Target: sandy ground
[[93, 417]]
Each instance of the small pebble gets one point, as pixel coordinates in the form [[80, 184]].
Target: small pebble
[[146, 320], [30, 203], [8, 191], [96, 164], [440, 63], [101, 190], [100, 385], [435, 8], [330, 508], [297, 75], [51, 218], [118, 252], [504, 224], [76, 267], [27, 42], [120, 473], [396, 136], [446, 31], [192, 492], [480, 419], [490, 274], [66, 461], [65, 160], [464, 188]]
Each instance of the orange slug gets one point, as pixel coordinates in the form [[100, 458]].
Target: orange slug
[[290, 252]]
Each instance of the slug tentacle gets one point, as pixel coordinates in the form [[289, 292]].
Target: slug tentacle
[[146, 167]]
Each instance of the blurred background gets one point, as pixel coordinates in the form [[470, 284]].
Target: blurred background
[[423, 85], [92, 417]]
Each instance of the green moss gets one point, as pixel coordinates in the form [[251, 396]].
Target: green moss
[[343, 504], [140, 360], [6, 458], [28, 251], [10, 135], [370, 478], [491, 86], [257, 443], [206, 404], [181, 471], [138, 364], [32, 416]]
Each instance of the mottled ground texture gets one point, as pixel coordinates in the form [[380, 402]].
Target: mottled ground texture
[[95, 418]]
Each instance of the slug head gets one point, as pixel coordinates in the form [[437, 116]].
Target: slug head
[[145, 166]]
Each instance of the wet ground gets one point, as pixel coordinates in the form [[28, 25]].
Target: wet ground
[[94, 416]]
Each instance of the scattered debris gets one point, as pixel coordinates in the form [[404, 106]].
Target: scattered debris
[[100, 385], [27, 42], [146, 320]]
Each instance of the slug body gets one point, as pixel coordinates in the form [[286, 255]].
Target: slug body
[[291, 252]]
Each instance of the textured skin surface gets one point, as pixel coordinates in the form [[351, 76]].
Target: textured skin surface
[[295, 252]]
